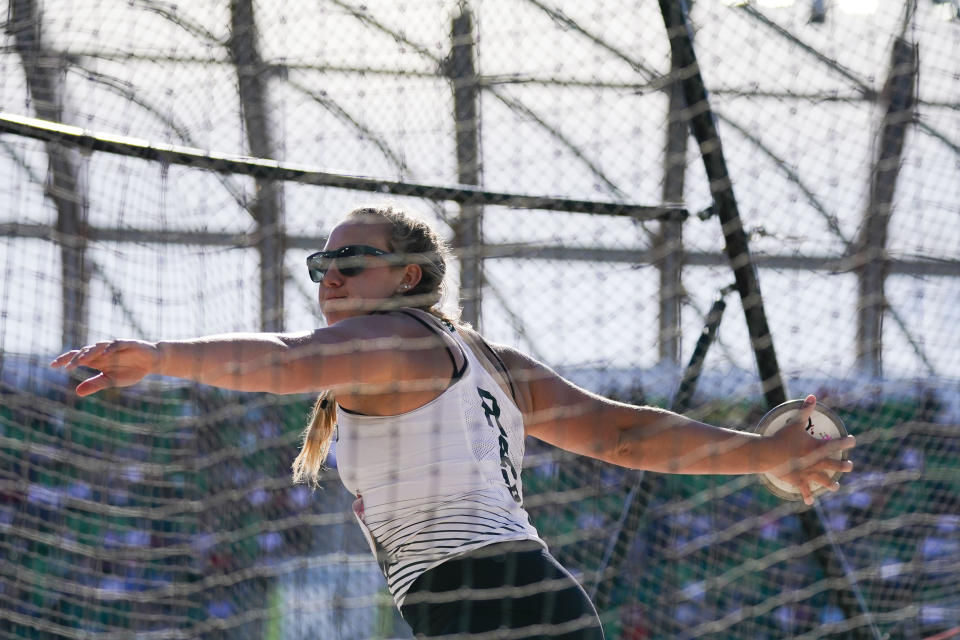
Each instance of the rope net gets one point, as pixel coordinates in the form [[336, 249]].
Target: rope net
[[167, 167]]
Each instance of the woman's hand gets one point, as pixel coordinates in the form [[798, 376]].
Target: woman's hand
[[800, 459], [120, 363]]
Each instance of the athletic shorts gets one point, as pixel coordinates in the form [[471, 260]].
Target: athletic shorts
[[504, 590]]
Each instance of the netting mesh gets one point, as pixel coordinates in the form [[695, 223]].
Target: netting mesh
[[165, 510]]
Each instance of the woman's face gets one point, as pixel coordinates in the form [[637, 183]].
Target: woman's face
[[379, 279]]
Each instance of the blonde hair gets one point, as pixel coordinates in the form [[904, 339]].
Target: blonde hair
[[419, 243]]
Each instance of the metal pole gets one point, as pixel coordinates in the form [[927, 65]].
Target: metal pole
[[704, 130], [261, 167], [748, 286], [460, 67], [898, 94], [669, 240], [63, 183], [266, 208]]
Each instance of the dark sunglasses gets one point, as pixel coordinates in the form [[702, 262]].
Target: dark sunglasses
[[349, 260]]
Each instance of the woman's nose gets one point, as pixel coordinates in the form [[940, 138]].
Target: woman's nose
[[332, 277]]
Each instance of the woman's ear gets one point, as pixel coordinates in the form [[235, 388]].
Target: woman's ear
[[412, 273]]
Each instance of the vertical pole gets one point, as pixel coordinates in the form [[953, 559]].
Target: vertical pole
[[669, 240], [266, 208], [704, 129], [670, 264], [746, 282], [63, 183], [468, 231], [898, 99]]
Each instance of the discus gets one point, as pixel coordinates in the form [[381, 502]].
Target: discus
[[823, 424]]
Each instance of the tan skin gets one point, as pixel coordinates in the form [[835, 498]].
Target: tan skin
[[387, 364]]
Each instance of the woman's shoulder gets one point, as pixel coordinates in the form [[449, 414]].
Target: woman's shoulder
[[383, 349], [398, 337], [524, 375], [377, 325], [516, 360]]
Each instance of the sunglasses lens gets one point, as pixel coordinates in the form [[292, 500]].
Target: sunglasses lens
[[349, 261], [317, 266]]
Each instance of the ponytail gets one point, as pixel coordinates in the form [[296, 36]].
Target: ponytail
[[316, 440]]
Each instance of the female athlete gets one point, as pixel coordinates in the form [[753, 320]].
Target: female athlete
[[430, 422]]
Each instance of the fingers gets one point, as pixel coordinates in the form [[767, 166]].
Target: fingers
[[92, 385], [817, 463], [807, 486], [119, 363], [832, 465], [806, 410], [81, 357], [840, 444], [825, 455], [63, 358], [88, 356], [822, 456], [824, 479], [809, 482]]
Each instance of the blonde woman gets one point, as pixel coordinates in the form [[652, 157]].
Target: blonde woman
[[431, 420]]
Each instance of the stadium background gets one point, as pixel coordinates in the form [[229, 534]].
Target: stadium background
[[166, 511]]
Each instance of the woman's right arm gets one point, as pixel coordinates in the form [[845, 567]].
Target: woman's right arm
[[359, 350]]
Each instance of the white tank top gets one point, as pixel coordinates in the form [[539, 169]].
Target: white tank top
[[438, 481]]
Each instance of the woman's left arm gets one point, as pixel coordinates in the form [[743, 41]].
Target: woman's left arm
[[642, 437]]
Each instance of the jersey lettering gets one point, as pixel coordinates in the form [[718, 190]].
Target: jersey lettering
[[492, 412]]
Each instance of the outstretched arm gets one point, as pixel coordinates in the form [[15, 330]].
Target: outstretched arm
[[240, 361], [354, 351], [654, 439]]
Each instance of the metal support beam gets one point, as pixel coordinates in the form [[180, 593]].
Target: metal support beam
[[704, 129], [63, 182], [822, 264], [460, 68], [747, 284], [259, 167], [669, 240], [898, 96], [266, 208]]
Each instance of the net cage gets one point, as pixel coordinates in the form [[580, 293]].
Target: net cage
[[618, 180]]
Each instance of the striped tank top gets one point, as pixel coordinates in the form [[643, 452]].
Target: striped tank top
[[441, 480]]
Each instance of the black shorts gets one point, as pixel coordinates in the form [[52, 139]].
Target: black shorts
[[504, 590]]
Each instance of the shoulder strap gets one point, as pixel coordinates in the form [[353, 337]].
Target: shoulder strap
[[485, 355], [493, 364]]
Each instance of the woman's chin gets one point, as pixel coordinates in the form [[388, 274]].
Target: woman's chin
[[338, 309]]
